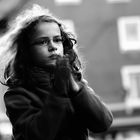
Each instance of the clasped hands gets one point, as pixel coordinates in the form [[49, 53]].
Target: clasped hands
[[64, 80]]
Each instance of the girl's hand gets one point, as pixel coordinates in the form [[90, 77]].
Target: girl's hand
[[73, 84], [65, 82], [62, 74]]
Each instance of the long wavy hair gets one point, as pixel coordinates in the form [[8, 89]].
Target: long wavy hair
[[17, 69]]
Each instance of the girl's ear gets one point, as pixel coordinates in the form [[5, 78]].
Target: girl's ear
[[71, 55], [68, 44]]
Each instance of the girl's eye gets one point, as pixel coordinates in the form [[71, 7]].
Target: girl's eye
[[46, 41], [41, 42], [58, 40]]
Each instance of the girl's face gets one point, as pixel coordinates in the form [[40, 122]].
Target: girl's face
[[46, 43]]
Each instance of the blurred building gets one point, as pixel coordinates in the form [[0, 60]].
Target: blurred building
[[109, 41]]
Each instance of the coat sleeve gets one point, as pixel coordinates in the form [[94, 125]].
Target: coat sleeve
[[30, 122], [93, 112]]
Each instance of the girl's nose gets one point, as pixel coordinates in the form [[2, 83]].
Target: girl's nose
[[51, 46]]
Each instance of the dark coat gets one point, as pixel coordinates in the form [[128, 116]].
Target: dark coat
[[36, 114]]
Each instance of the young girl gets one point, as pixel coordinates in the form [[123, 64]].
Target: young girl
[[47, 97]]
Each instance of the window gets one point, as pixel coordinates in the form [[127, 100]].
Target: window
[[67, 2], [131, 83], [129, 33], [5, 127], [69, 24], [118, 1]]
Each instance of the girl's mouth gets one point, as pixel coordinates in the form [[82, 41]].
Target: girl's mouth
[[54, 56]]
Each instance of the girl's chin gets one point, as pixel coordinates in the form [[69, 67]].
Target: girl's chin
[[49, 65], [52, 62]]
